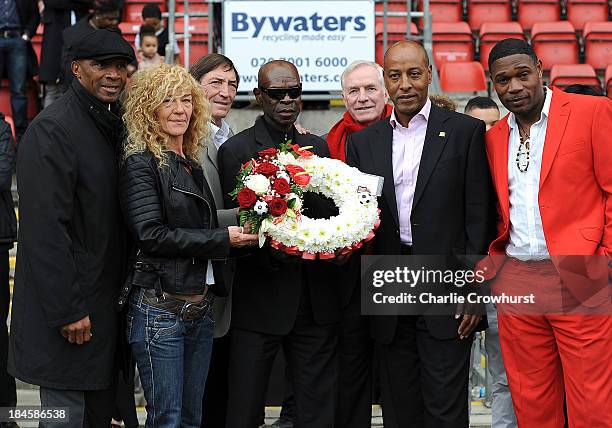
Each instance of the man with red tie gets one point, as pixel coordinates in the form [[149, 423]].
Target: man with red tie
[[551, 162]]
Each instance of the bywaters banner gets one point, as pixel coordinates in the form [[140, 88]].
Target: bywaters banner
[[320, 37]]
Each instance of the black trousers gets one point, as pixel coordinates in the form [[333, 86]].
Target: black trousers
[[8, 393], [125, 406], [214, 404], [311, 353], [424, 380], [87, 409]]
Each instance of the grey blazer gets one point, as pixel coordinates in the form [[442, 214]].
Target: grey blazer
[[227, 217]]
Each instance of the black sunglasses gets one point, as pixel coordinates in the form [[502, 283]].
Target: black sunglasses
[[279, 93]]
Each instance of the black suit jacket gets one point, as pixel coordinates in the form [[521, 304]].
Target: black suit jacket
[[266, 290], [452, 208]]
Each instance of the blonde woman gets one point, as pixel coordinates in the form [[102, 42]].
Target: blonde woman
[[170, 212]]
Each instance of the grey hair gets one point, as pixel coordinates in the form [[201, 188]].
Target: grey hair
[[356, 64]]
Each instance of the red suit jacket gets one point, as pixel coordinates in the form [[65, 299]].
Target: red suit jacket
[[575, 193]]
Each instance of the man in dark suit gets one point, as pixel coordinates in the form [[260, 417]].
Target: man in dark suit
[[435, 201], [280, 300], [219, 79]]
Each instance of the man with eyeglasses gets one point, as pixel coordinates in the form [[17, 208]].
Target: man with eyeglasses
[[219, 79], [280, 300], [550, 161]]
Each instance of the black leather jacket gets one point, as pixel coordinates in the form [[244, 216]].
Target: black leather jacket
[[172, 216]]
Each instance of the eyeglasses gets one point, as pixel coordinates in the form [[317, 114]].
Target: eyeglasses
[[279, 93]]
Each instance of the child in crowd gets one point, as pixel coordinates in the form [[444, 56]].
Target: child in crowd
[[151, 15], [148, 55]]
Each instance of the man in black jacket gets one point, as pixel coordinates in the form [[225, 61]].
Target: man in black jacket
[[64, 324], [8, 235], [277, 300], [435, 201], [18, 22]]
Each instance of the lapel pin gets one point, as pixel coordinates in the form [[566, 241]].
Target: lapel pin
[[442, 134]]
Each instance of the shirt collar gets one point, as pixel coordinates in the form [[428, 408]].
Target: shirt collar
[[424, 113], [545, 110], [222, 131]]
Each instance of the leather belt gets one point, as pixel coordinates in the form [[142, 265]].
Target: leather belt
[[187, 311]]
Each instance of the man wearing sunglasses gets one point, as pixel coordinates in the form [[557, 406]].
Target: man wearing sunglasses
[[280, 300]]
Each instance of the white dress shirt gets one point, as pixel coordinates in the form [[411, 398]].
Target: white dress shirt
[[407, 150], [527, 240], [219, 135]]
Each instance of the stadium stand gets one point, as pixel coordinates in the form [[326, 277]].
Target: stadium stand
[[555, 43], [532, 11], [463, 77], [491, 33], [395, 33], [481, 11], [452, 42], [608, 81], [579, 12], [597, 38], [444, 10], [562, 76]]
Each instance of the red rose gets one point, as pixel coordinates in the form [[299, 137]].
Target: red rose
[[277, 207], [268, 152], [246, 198], [266, 168], [281, 186]]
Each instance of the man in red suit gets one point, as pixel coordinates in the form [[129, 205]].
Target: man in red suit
[[551, 162]]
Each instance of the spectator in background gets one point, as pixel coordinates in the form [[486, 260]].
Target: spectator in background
[[57, 15], [8, 236], [584, 90], [148, 56], [219, 79], [104, 16], [18, 22], [443, 101], [483, 108], [151, 15], [64, 323]]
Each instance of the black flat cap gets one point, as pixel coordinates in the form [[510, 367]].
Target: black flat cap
[[102, 45]]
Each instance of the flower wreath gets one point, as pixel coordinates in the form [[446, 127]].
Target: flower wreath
[[270, 190]]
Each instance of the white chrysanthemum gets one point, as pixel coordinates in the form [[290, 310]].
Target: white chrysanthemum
[[285, 158], [257, 183]]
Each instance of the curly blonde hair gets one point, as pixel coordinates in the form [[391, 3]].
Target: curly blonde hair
[[147, 92]]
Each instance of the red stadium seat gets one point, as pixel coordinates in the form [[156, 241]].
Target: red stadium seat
[[555, 43], [608, 81], [392, 6], [444, 10], [562, 76], [198, 43], [597, 38], [31, 94], [452, 42], [532, 11], [463, 77], [5, 97], [491, 33], [481, 11], [395, 33], [129, 30], [579, 12]]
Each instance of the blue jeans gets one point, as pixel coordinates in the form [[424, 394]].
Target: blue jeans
[[13, 56], [172, 357]]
